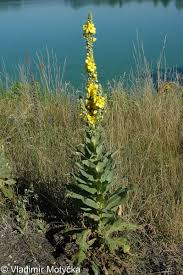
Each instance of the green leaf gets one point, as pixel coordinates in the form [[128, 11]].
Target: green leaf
[[119, 226], [10, 182], [100, 167], [126, 248], [107, 176], [7, 192], [93, 141], [80, 257], [88, 140], [92, 216], [87, 188], [89, 202], [91, 242], [78, 179], [99, 149], [116, 198], [86, 175], [107, 215], [95, 268], [116, 243], [89, 164], [80, 149], [74, 196], [88, 152], [79, 165], [86, 209], [82, 237], [70, 231], [110, 176], [84, 245]]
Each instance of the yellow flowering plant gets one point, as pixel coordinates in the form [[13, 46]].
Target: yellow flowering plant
[[95, 102], [94, 178]]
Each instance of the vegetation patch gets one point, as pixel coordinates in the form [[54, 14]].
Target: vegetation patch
[[108, 213]]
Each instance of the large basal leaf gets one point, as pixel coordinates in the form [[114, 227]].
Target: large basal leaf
[[82, 240], [119, 226], [116, 243], [79, 257]]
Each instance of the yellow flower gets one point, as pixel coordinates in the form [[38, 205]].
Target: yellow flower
[[90, 64], [94, 102], [100, 102], [91, 119], [95, 76], [92, 89], [89, 28]]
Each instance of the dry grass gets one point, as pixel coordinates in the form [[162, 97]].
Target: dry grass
[[147, 132]]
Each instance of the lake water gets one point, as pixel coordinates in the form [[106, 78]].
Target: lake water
[[28, 26]]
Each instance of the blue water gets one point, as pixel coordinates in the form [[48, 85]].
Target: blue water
[[29, 26]]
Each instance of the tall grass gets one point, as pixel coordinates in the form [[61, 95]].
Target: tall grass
[[146, 130], [41, 130]]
